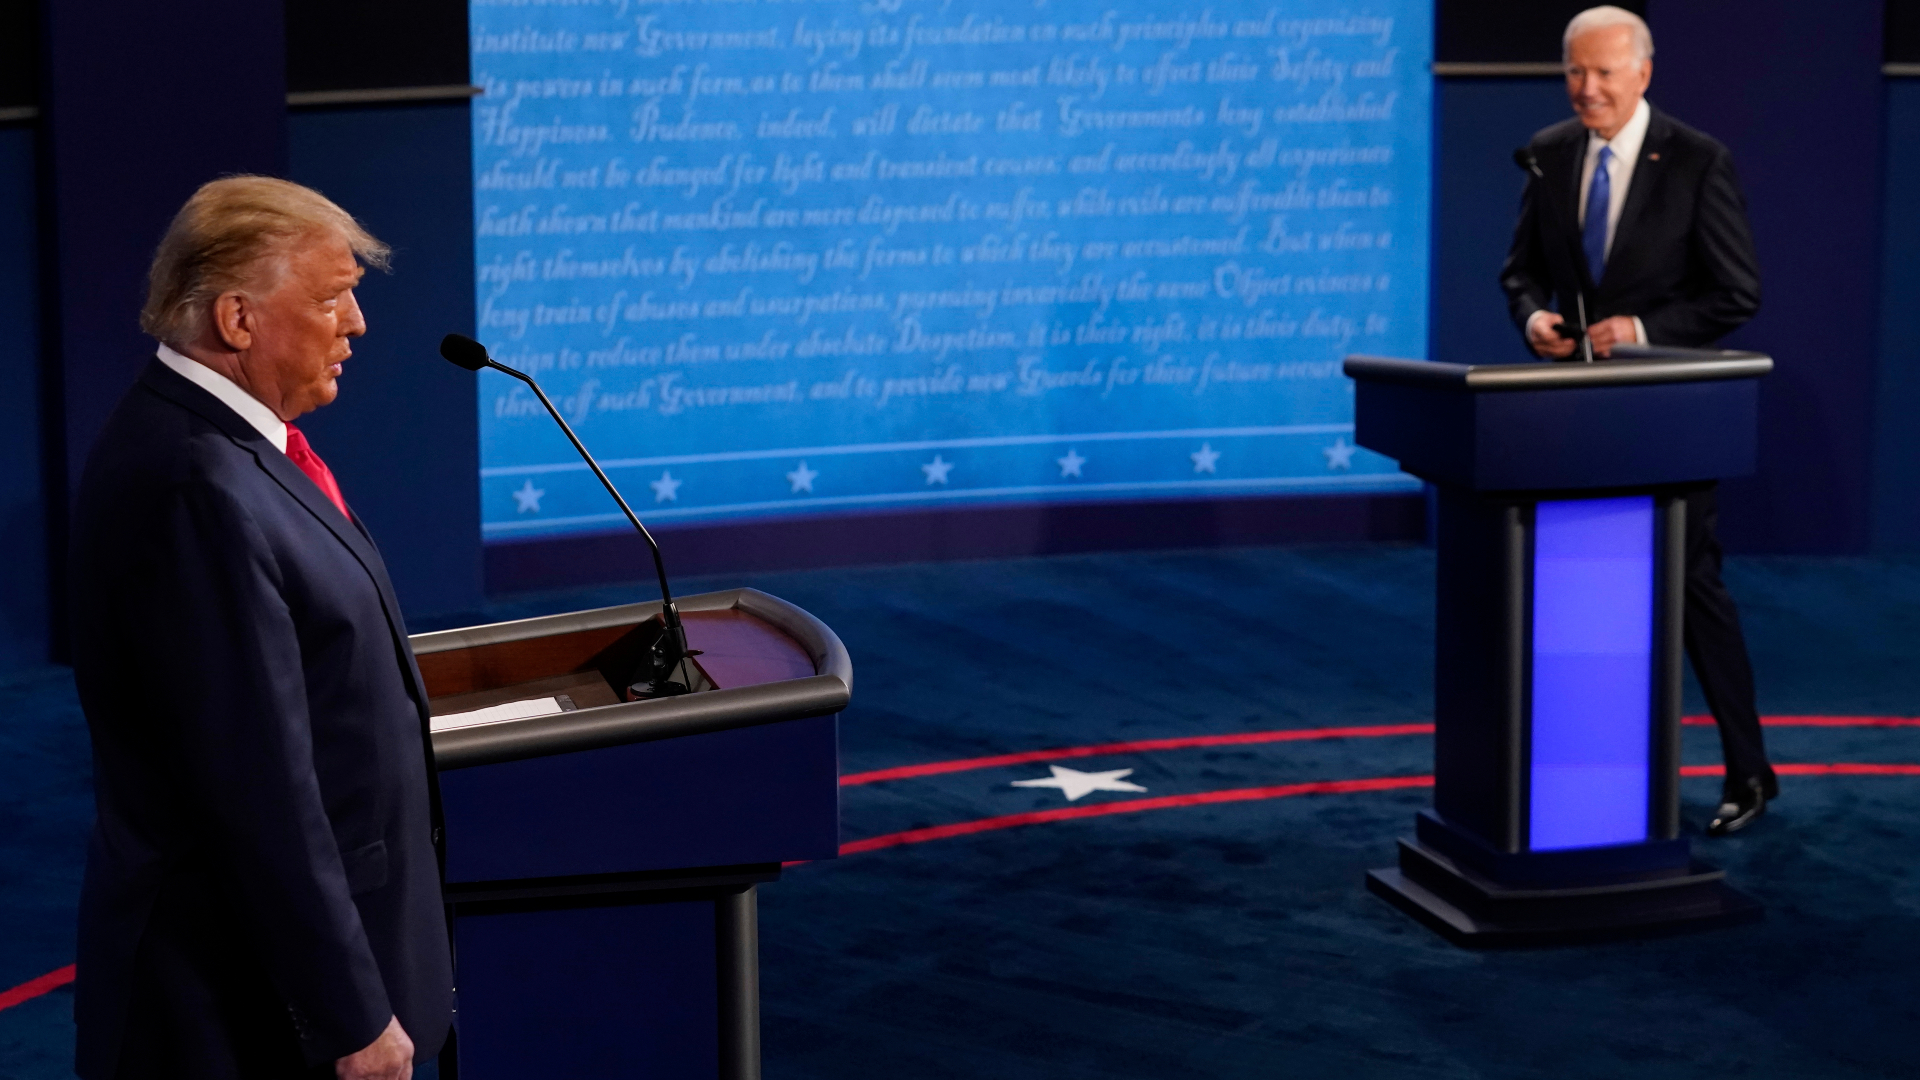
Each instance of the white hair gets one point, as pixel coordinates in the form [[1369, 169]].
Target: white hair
[[1605, 17]]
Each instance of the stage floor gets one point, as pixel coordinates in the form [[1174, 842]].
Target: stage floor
[[1246, 734]]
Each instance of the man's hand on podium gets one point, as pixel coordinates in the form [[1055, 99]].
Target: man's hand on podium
[[1607, 333], [1543, 335], [389, 1057]]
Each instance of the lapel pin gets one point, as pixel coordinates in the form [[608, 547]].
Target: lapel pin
[[1653, 157]]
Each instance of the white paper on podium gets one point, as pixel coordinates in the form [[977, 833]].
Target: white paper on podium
[[494, 714]]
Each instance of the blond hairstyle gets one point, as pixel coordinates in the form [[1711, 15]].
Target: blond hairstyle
[[1600, 18], [233, 233]]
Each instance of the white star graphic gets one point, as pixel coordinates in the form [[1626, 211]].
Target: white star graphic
[[937, 470], [528, 497], [1073, 783], [1070, 465], [665, 489], [802, 478], [1339, 455], [1204, 458]]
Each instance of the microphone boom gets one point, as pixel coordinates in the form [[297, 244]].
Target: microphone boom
[[669, 652]]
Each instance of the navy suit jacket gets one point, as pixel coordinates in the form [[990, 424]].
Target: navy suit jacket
[[1682, 257], [262, 877]]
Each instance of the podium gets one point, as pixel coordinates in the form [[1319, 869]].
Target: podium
[[1557, 674], [602, 858]]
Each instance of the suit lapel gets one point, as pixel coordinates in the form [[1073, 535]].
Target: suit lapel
[[1647, 174], [171, 385], [1561, 167], [354, 535]]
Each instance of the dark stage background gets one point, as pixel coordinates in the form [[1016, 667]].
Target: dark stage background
[[104, 130]]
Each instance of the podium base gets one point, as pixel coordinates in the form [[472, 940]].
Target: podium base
[[1470, 909]]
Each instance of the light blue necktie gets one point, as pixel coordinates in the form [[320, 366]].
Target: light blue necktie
[[1599, 197]]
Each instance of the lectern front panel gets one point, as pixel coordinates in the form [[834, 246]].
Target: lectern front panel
[[763, 794], [1592, 671], [589, 991]]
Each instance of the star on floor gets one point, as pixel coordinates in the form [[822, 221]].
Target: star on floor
[[665, 489], [937, 470], [802, 478], [1204, 458], [1339, 455], [1070, 465], [1073, 783], [528, 497]]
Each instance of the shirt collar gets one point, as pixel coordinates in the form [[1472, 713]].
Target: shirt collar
[[1627, 141], [230, 394]]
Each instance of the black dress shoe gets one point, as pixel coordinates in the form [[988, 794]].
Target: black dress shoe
[[1741, 804]]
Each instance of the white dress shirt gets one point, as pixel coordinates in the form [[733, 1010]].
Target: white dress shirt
[[1626, 145], [1626, 154], [249, 407]]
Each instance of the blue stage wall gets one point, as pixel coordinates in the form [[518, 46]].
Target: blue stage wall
[[1840, 476], [130, 137], [402, 437], [1896, 437], [1795, 91], [23, 519], [1476, 193]]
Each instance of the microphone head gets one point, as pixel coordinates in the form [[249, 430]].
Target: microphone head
[[1524, 158], [464, 351]]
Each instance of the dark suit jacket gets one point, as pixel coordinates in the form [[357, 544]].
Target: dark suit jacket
[[262, 891], [1682, 257]]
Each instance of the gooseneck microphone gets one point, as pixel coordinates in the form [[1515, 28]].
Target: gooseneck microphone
[[1528, 162], [656, 678]]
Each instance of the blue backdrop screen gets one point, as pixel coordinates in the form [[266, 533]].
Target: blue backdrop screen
[[807, 256]]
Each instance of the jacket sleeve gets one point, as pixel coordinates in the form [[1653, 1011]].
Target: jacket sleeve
[[224, 674], [1525, 275], [1722, 248]]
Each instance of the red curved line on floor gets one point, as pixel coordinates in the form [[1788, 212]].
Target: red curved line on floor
[[1130, 806], [1281, 791], [1818, 721], [1249, 738], [33, 988], [53, 980], [1838, 768], [1136, 746]]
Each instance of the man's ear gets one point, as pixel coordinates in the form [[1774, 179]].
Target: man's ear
[[233, 320]]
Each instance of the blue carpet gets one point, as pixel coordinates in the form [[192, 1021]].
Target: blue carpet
[[1226, 940]]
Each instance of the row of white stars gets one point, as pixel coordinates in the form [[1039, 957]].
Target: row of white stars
[[667, 488]]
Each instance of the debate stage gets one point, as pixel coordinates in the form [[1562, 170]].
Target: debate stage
[[1216, 923]]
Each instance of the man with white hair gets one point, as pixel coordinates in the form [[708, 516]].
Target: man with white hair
[[1640, 218], [262, 894]]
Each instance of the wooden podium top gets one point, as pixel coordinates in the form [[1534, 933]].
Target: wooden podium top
[[764, 659], [736, 649]]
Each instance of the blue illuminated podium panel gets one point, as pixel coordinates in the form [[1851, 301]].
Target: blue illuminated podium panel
[[1562, 537]]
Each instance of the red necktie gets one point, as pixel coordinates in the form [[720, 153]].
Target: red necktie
[[301, 454]]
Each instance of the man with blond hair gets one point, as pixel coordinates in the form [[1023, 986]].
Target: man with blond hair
[[262, 894], [1640, 218]]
